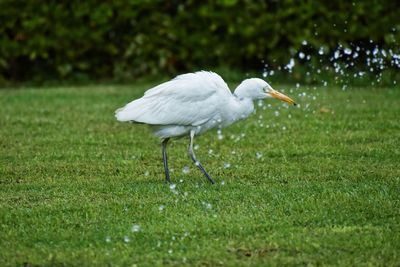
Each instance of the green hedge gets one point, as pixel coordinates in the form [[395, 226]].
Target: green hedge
[[118, 39]]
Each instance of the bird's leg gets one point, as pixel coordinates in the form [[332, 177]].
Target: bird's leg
[[165, 159], [196, 162]]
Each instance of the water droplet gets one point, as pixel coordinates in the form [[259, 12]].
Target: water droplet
[[347, 51], [336, 54], [186, 169], [290, 65], [172, 186], [301, 55], [135, 228]]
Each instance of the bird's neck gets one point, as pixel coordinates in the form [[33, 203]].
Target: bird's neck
[[242, 108]]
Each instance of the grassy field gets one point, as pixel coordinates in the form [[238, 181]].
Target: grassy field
[[315, 185]]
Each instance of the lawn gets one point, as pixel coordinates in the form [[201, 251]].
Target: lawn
[[313, 185]]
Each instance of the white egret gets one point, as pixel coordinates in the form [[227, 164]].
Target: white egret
[[193, 103]]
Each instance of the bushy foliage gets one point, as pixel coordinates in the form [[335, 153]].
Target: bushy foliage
[[92, 39]]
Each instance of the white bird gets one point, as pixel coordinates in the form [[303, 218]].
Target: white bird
[[192, 104]]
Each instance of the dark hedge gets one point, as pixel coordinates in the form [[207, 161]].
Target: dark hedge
[[119, 39]]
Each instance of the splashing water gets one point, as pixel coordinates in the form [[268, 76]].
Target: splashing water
[[290, 65], [172, 186], [219, 134], [186, 169], [135, 228]]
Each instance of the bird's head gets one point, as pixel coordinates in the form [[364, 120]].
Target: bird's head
[[256, 88]]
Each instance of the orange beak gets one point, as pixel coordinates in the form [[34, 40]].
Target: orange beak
[[280, 96]]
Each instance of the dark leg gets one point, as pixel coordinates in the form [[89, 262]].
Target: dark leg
[[165, 159], [196, 162]]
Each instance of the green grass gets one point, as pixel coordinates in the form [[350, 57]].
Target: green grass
[[325, 191]]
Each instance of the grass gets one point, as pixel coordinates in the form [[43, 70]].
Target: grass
[[74, 181]]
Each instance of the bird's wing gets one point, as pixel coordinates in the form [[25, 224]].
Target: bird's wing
[[189, 99]]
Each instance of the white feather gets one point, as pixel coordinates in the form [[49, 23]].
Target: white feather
[[189, 99]]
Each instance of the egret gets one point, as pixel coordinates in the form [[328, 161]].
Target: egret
[[192, 104]]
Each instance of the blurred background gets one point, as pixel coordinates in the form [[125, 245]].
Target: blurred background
[[342, 42]]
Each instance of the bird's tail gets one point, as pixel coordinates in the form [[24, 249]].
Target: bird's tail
[[126, 113], [133, 111], [119, 114]]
